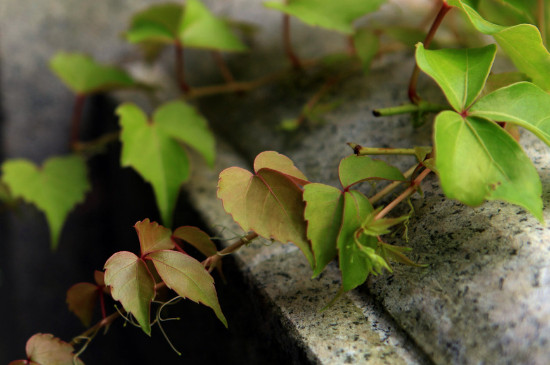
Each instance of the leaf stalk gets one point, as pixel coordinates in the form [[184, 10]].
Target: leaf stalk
[[413, 95]]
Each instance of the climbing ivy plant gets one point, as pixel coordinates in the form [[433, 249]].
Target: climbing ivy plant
[[475, 154]]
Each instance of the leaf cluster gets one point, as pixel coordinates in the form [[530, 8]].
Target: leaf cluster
[[278, 202]]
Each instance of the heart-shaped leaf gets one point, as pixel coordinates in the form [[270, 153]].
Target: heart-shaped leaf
[[329, 224], [523, 103], [199, 28], [82, 298], [187, 277], [45, 349], [153, 237], [54, 189], [152, 148], [522, 43], [158, 23], [329, 14], [460, 73], [355, 169], [132, 284], [478, 160], [268, 202], [196, 238], [182, 122], [83, 75]]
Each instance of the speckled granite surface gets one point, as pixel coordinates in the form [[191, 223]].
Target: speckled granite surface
[[356, 330], [483, 299]]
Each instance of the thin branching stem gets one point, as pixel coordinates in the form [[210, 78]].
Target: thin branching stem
[[180, 68], [404, 195], [203, 91], [76, 120], [391, 187], [421, 107], [222, 65], [413, 95], [315, 98], [212, 261], [364, 151], [96, 327], [287, 44]]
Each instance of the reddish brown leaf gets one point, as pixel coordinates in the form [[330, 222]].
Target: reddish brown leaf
[[197, 238], [153, 236], [45, 349], [268, 202], [81, 299]]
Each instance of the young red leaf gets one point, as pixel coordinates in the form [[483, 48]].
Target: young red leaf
[[99, 277], [197, 238], [187, 277], [132, 284], [268, 202], [81, 299], [275, 161], [153, 237], [45, 349]]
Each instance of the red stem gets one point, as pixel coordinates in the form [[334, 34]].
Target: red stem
[[294, 60], [542, 20], [352, 51], [413, 96], [76, 119], [226, 73], [405, 194], [102, 302], [180, 72]]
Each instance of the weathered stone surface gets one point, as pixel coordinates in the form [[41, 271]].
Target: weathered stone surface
[[483, 299], [355, 330]]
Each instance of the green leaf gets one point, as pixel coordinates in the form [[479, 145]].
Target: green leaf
[[522, 43], [407, 35], [54, 189], [397, 253], [323, 212], [153, 237], [132, 284], [355, 169], [523, 104], [182, 122], [460, 73], [158, 23], [187, 277], [152, 148], [196, 238], [199, 28], [82, 299], [366, 44], [496, 81], [45, 349], [83, 75], [377, 227], [520, 11], [478, 160], [268, 202], [354, 264], [329, 14]]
